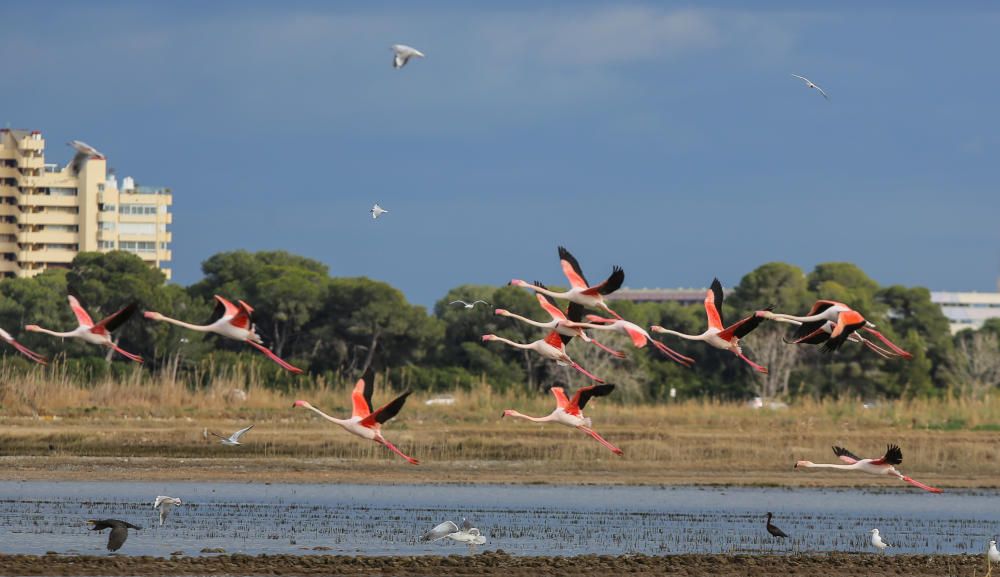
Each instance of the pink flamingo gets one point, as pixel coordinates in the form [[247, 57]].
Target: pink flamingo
[[638, 335], [23, 349], [562, 323], [580, 291], [823, 334], [570, 412], [233, 322], [552, 347], [365, 422], [880, 466], [846, 320], [718, 336], [91, 332]]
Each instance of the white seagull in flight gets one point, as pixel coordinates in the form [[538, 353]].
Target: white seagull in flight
[[377, 211], [164, 504], [402, 54], [235, 438], [811, 84], [469, 305]]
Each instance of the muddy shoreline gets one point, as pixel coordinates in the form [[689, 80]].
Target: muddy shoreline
[[498, 563]]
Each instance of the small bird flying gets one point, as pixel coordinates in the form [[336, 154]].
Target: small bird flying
[[811, 84], [119, 531], [377, 211], [164, 504], [234, 439], [471, 305], [401, 54]]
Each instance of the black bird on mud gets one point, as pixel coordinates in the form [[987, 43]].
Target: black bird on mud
[[119, 531], [774, 530]]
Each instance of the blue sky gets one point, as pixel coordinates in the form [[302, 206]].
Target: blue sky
[[668, 138]]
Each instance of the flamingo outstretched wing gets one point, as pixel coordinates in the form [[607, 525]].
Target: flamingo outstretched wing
[[549, 304], [117, 319], [571, 268], [713, 305], [82, 316], [845, 455], [361, 397], [386, 412], [744, 327], [893, 456], [584, 394], [223, 310], [561, 400]]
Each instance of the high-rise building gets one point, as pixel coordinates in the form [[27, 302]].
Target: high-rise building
[[50, 213]]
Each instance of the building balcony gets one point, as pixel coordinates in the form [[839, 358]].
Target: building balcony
[[154, 255], [36, 256], [9, 210], [60, 218], [46, 200], [47, 236], [8, 246], [31, 162], [9, 266], [9, 172]]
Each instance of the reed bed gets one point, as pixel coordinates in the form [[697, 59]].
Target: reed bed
[[47, 417]]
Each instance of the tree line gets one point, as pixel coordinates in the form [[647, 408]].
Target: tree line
[[335, 327]]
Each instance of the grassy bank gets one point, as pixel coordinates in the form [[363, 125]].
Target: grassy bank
[[53, 426]]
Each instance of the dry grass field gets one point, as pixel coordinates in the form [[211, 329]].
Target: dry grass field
[[144, 429]]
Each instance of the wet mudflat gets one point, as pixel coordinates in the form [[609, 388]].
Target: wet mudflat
[[523, 521], [501, 564]]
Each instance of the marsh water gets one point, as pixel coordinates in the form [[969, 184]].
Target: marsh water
[[39, 517]]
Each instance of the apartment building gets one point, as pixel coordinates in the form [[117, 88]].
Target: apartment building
[[49, 213]]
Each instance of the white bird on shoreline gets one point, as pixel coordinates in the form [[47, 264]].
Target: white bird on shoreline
[[467, 534], [992, 556], [471, 305], [164, 504], [377, 211], [402, 54], [235, 438], [877, 541], [811, 84]]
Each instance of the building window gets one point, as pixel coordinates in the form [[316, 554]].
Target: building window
[[60, 246], [108, 208], [163, 246], [62, 228], [137, 246], [106, 244], [146, 228], [105, 225], [137, 209], [61, 191]]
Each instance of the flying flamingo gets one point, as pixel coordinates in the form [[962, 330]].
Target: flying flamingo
[[823, 334], [580, 291], [728, 338], [23, 349], [562, 323], [366, 422], [230, 321], [880, 466], [846, 321], [570, 412], [552, 347], [638, 335], [88, 331]]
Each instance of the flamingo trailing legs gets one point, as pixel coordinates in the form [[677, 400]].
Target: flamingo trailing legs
[[638, 335], [366, 422], [718, 335], [233, 322], [569, 412], [846, 320]]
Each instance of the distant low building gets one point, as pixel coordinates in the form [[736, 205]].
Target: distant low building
[[967, 310], [49, 213]]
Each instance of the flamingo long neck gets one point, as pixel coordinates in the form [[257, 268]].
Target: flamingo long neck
[[595, 326], [68, 334], [828, 466], [684, 336], [532, 322], [199, 328], [552, 294], [808, 319], [341, 422], [513, 344], [545, 419]]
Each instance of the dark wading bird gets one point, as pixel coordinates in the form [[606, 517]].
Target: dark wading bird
[[119, 531], [774, 530]]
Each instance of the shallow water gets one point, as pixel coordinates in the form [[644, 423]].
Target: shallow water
[[37, 517]]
